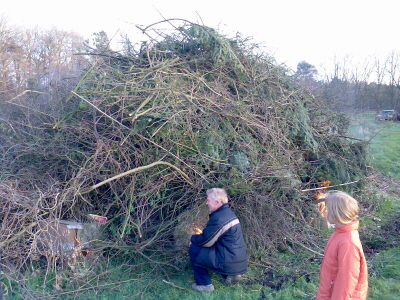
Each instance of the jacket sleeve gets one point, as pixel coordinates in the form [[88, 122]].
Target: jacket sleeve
[[209, 231], [213, 231], [348, 274]]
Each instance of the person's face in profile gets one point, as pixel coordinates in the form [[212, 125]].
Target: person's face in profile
[[212, 204]]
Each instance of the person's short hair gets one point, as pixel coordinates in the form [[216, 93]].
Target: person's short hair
[[341, 207], [218, 194]]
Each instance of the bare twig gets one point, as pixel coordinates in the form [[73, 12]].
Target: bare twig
[[98, 109], [327, 187], [174, 285]]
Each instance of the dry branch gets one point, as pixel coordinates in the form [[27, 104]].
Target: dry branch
[[327, 187], [138, 169], [174, 285]]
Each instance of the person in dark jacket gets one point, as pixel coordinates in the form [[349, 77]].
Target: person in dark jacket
[[220, 247]]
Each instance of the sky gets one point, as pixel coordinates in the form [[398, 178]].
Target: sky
[[315, 31]]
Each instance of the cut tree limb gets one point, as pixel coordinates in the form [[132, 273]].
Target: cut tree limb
[[135, 170]]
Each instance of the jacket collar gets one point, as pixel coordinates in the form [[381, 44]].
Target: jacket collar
[[348, 227], [220, 208]]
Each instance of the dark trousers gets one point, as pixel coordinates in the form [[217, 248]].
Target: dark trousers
[[200, 274]]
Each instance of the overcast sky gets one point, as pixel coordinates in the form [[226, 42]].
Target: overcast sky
[[292, 30]]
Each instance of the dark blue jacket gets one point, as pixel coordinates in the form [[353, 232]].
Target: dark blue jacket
[[223, 248]]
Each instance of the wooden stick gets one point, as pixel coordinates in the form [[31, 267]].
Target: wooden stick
[[327, 187], [98, 109], [174, 285], [137, 170]]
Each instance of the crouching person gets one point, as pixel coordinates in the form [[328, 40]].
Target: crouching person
[[220, 247]]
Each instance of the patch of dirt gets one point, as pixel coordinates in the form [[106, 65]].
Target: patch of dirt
[[275, 281], [384, 184]]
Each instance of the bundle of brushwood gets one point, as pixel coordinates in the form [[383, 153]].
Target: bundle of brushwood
[[147, 131]]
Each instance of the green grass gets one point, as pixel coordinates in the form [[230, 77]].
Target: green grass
[[384, 138], [178, 287], [384, 268]]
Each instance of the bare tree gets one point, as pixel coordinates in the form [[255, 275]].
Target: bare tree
[[337, 88], [38, 66], [373, 83], [359, 77], [393, 69], [380, 74], [9, 57]]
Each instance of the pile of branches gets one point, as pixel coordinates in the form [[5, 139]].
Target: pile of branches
[[146, 132]]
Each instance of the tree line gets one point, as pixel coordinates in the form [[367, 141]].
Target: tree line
[[354, 86], [37, 59]]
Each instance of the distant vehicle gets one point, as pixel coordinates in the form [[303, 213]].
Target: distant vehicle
[[387, 115]]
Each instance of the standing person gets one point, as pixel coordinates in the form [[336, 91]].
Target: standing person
[[220, 247], [343, 274]]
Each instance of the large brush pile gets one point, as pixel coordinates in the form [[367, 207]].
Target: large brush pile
[[145, 133]]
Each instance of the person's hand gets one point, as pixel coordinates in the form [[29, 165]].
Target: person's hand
[[190, 243], [197, 230]]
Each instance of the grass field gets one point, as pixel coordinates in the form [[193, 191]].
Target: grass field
[[384, 269], [384, 138]]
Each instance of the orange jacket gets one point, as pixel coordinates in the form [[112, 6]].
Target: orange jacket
[[343, 274]]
